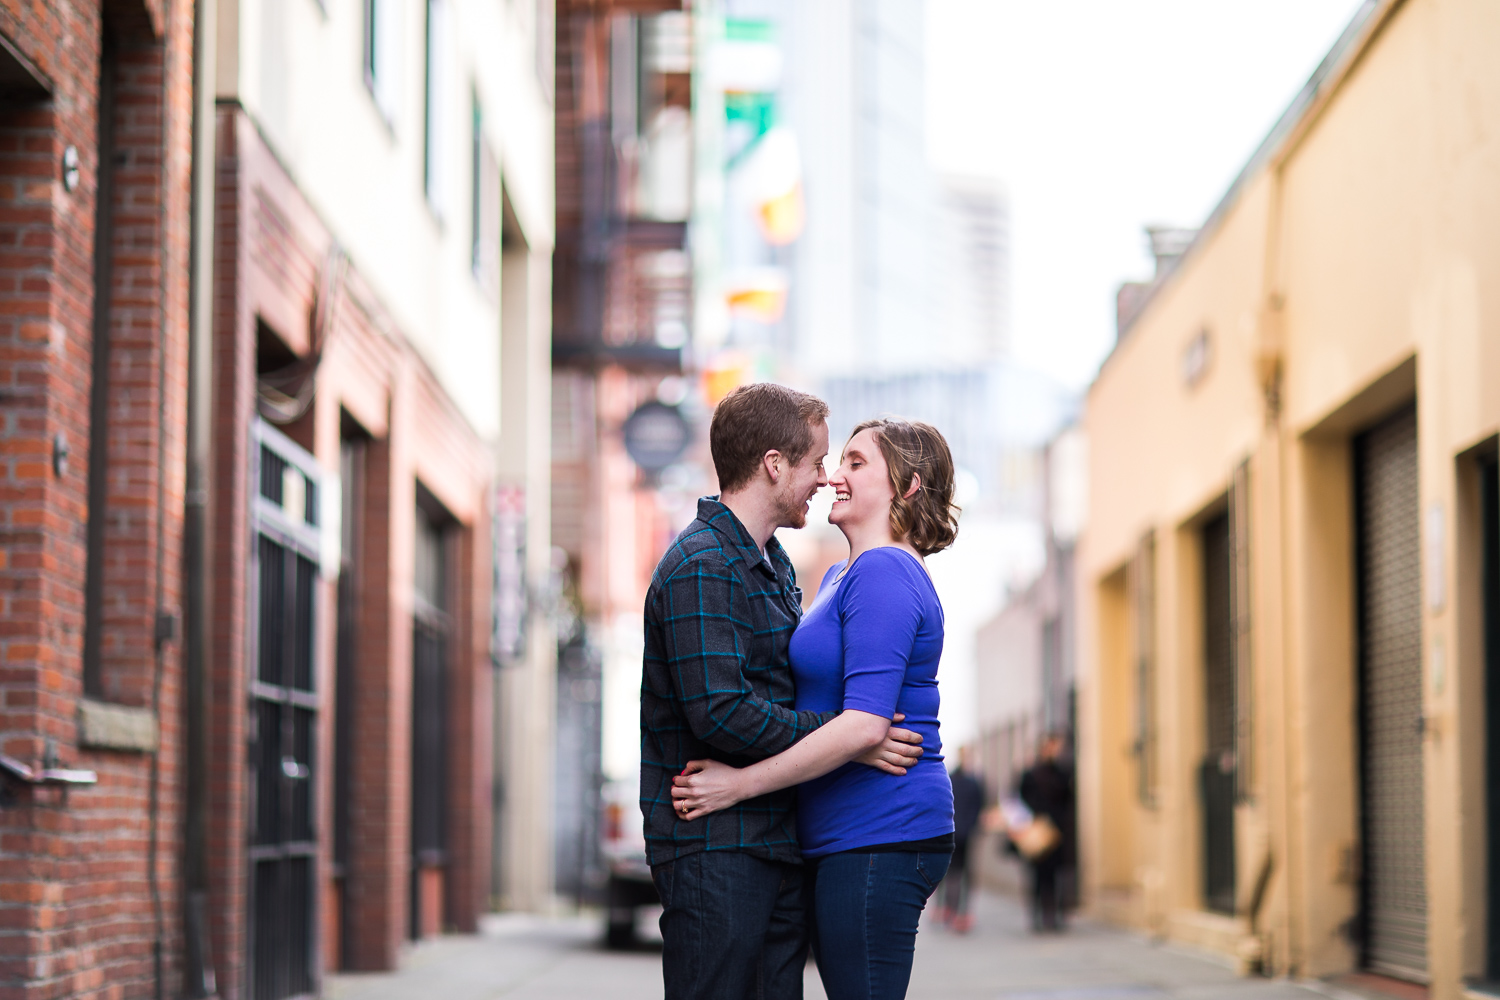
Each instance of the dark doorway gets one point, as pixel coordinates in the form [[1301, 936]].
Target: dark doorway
[[283, 719], [352, 455], [431, 625], [1216, 772], [1388, 536], [1489, 507]]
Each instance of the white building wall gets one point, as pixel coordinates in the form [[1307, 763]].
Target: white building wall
[[297, 66]]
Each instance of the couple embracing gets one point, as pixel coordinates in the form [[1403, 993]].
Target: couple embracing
[[783, 804]]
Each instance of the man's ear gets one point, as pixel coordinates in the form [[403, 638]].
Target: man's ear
[[911, 491], [774, 465]]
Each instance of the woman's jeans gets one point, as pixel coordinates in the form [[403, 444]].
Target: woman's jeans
[[865, 910]]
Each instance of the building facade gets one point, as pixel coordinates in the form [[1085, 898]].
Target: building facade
[[96, 121], [1288, 584], [622, 304], [378, 398], [277, 323]]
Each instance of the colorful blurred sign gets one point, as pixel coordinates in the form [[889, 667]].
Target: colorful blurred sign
[[757, 293], [725, 373]]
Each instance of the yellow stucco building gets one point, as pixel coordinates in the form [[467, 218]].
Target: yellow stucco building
[[1289, 705]]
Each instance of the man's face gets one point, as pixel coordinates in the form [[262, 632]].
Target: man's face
[[803, 480]]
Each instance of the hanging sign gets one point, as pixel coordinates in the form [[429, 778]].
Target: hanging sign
[[656, 435]]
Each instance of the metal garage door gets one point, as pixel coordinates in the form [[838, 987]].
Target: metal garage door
[[1395, 891]]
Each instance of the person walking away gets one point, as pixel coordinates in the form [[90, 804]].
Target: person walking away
[[1047, 790], [876, 845], [717, 684], [968, 804]]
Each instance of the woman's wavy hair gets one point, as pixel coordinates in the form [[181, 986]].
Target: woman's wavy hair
[[929, 519]]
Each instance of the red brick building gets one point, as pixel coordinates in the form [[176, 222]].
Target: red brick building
[[95, 142], [246, 488]]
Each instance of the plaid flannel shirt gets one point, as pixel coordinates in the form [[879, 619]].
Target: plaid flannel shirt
[[717, 683]]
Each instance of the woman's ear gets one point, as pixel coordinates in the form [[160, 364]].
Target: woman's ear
[[911, 491]]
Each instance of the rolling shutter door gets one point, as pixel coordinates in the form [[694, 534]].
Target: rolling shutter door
[[1395, 893]]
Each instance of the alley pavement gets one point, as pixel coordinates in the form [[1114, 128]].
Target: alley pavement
[[518, 957]]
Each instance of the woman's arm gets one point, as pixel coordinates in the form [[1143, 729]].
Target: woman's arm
[[707, 786]]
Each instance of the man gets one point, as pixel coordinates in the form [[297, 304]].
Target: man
[[717, 684], [968, 805], [1047, 789]]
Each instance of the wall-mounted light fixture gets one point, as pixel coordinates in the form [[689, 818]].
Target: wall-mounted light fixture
[[60, 453], [70, 170]]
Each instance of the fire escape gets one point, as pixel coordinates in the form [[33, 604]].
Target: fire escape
[[622, 282]]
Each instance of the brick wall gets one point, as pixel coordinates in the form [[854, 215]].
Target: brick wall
[[76, 904]]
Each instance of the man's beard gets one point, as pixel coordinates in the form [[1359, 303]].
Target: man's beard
[[792, 510]]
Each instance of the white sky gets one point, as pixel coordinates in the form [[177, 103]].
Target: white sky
[[1102, 116]]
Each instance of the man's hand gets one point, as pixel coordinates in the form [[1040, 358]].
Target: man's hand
[[901, 749]]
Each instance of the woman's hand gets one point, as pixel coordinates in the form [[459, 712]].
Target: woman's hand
[[707, 786]]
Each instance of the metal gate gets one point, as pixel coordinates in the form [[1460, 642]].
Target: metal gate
[[1390, 635], [1216, 773], [283, 718]]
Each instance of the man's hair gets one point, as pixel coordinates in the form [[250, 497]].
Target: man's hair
[[758, 418], [929, 520]]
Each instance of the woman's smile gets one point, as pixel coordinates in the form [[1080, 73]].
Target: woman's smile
[[861, 484]]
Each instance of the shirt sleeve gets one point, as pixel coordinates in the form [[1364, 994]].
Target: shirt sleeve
[[705, 612], [880, 611]]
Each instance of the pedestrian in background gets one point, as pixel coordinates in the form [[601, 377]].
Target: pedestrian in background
[[968, 804], [1047, 790]]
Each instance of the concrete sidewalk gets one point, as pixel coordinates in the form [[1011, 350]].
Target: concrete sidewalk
[[529, 958]]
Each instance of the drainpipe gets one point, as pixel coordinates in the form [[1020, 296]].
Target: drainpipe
[[199, 972]]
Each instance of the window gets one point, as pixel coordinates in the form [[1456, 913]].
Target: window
[[437, 105], [484, 207], [98, 482], [382, 54]]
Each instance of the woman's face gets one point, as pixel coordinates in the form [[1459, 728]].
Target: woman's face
[[862, 491]]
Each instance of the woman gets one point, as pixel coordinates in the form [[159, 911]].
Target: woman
[[875, 844]]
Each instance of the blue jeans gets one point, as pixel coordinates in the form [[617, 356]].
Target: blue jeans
[[865, 913], [733, 926]]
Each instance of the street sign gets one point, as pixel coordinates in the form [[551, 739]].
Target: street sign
[[656, 435]]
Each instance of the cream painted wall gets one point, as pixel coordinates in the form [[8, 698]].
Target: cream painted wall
[[1365, 259]]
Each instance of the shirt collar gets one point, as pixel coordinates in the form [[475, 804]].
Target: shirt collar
[[723, 520]]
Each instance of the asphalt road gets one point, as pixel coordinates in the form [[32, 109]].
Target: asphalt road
[[520, 957]]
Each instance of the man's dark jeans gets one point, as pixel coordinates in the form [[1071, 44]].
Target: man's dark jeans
[[734, 927]]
